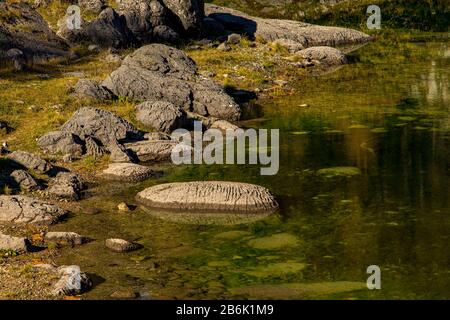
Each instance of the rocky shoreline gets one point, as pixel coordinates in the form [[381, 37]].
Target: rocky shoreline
[[168, 92]]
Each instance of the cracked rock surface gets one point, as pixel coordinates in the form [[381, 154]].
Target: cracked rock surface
[[30, 161], [160, 72], [209, 196], [23, 209]]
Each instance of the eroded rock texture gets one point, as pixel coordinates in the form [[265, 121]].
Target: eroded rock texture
[[23, 209], [160, 72], [161, 115], [209, 196]]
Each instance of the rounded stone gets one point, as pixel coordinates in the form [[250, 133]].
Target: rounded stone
[[121, 245], [210, 196], [325, 55], [128, 172]]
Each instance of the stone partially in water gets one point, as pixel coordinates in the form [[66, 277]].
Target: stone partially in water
[[209, 196], [128, 172], [276, 241], [71, 238], [66, 185], [305, 34], [339, 172], [72, 281], [298, 290], [326, 55], [124, 207], [121, 245]]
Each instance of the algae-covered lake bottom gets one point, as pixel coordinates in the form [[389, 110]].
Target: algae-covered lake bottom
[[386, 114]]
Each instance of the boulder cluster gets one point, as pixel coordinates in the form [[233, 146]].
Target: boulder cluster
[[133, 23], [136, 22], [22, 168], [168, 93]]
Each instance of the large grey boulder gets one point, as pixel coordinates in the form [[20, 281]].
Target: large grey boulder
[[72, 282], [102, 125], [97, 131], [66, 185], [209, 196], [307, 35], [146, 19], [128, 172], [30, 161], [162, 20], [23, 209], [109, 30], [190, 14], [17, 244], [92, 89], [138, 16], [24, 180], [159, 72], [325, 55], [161, 115], [61, 142]]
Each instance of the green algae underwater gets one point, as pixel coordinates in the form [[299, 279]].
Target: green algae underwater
[[363, 180]]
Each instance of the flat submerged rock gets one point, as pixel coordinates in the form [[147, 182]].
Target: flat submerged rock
[[208, 202]]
